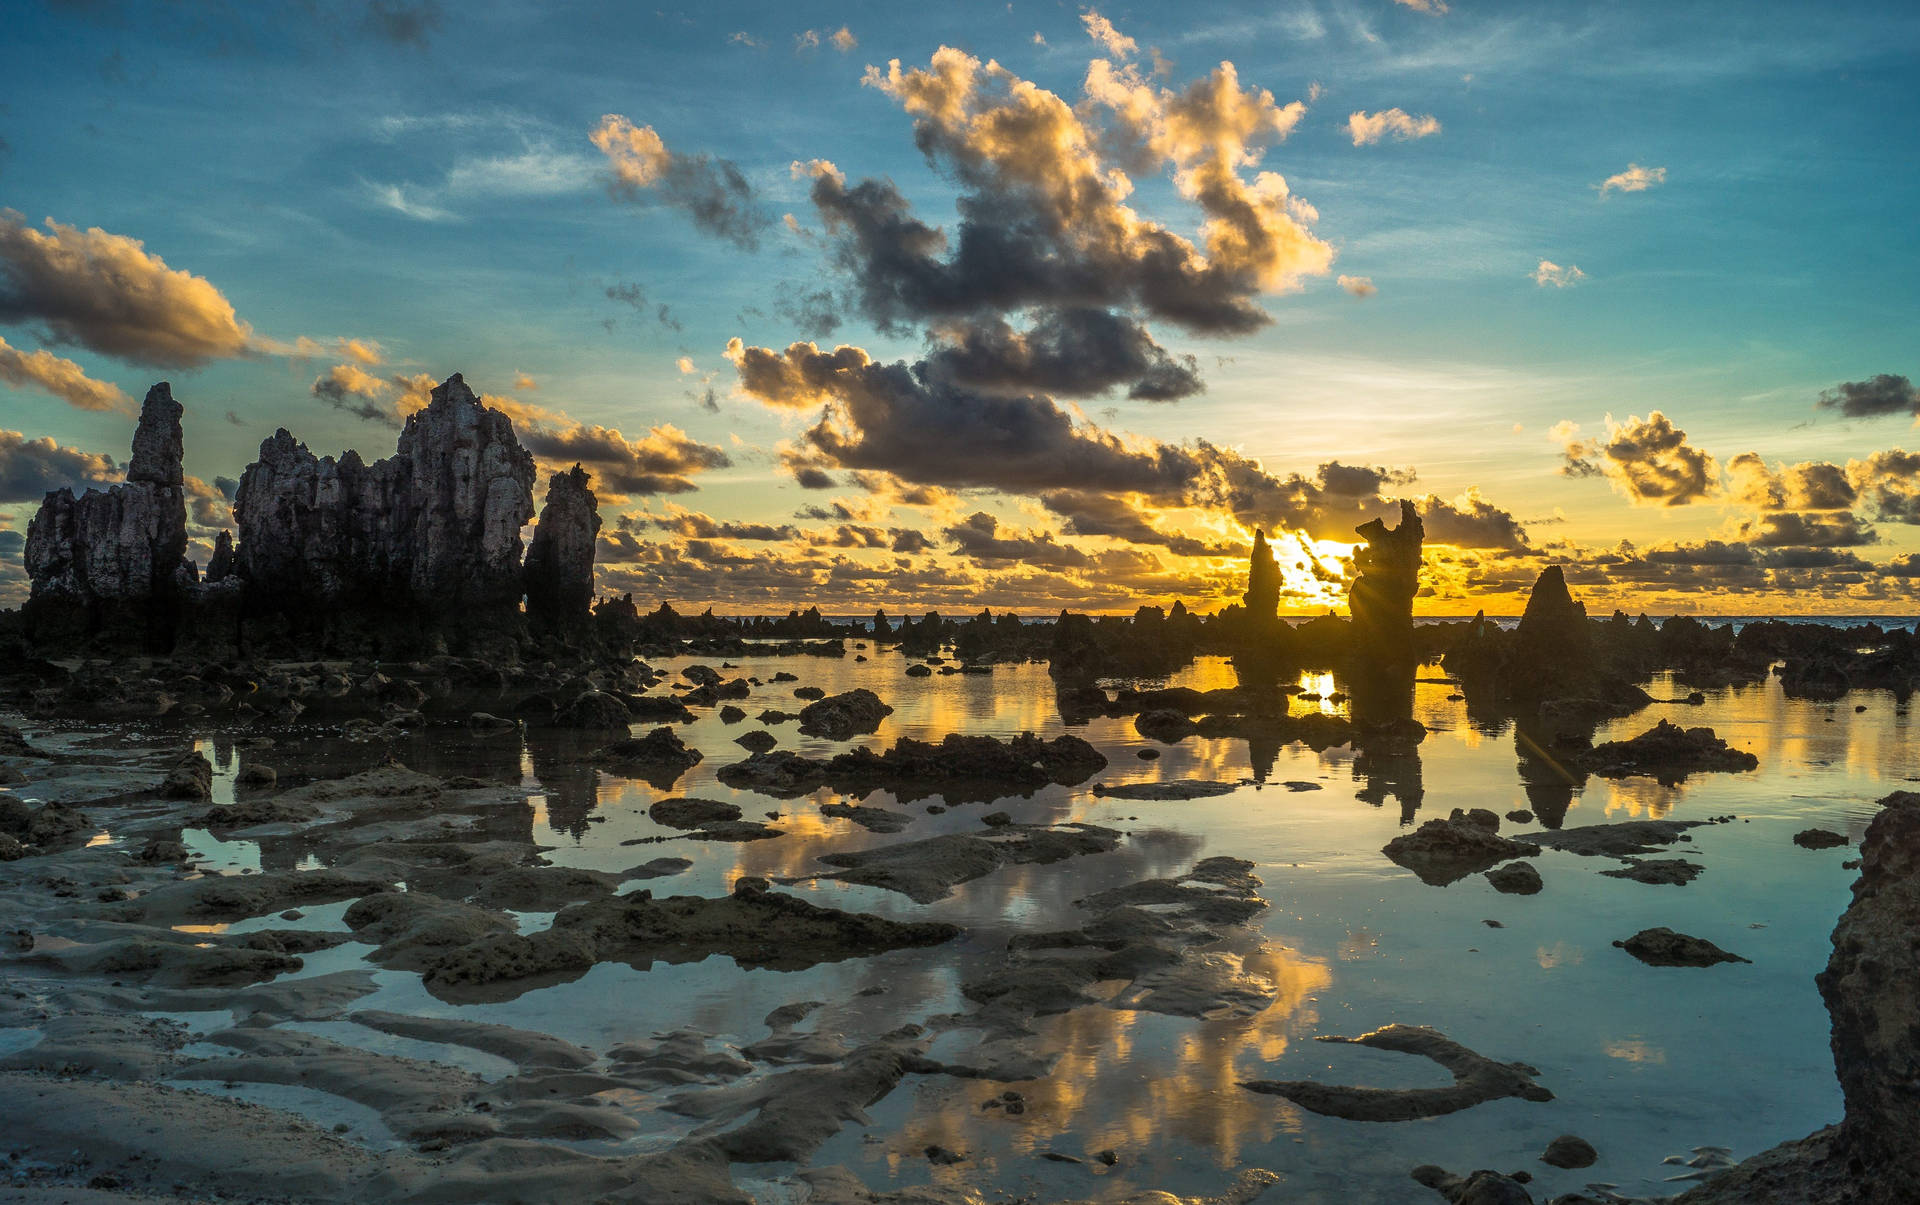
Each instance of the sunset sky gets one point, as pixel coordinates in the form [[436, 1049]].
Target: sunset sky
[[1023, 305]]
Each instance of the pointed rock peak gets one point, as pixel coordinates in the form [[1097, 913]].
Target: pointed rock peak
[[454, 388], [158, 446]]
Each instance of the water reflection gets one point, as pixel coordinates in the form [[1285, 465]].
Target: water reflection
[[1350, 941]]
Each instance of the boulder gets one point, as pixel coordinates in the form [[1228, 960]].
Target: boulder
[[841, 716]]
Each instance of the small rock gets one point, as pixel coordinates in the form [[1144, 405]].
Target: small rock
[[1569, 1151]]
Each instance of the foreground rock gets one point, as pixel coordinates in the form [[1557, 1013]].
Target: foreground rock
[[1669, 753], [753, 926], [928, 870], [1477, 1079], [838, 717], [1180, 946], [1873, 1156], [1445, 851], [959, 768], [659, 758], [1483, 1187]]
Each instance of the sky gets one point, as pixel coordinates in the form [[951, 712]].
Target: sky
[[1025, 306]]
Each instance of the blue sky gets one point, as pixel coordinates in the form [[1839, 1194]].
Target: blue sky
[[420, 176]]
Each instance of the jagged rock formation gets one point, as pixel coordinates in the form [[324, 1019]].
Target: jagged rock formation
[[1381, 597], [1553, 629], [112, 565], [1263, 582], [429, 533], [559, 568]]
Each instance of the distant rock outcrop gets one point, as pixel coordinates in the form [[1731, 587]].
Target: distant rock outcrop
[[430, 532], [1263, 582], [1381, 597], [559, 569], [112, 565]]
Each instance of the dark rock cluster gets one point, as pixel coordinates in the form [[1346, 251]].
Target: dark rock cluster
[[409, 554]]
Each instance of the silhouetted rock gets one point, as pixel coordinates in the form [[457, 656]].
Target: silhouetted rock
[[1483, 1187], [959, 768], [1381, 596], [1662, 947], [1515, 878], [1445, 851], [1262, 597], [844, 715], [427, 540], [595, 711], [113, 564], [1819, 838], [1669, 753], [559, 567], [1571, 1151]]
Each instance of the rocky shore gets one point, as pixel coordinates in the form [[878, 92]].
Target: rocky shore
[[392, 605]]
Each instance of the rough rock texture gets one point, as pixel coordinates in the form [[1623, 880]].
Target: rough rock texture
[[1381, 597], [843, 715], [1669, 753], [1873, 1156], [1445, 851], [559, 568], [1569, 1150], [1483, 1187], [431, 531], [113, 563]]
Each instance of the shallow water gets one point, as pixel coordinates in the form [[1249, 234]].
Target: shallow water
[[1643, 1062]]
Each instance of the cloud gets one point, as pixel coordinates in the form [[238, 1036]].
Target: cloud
[[1470, 521], [1796, 530], [1091, 513], [1076, 352], [692, 524], [1634, 179], [1881, 395], [713, 192], [1044, 219], [208, 506], [1359, 286], [1890, 481], [924, 428], [979, 536], [661, 462], [1101, 30], [351, 388], [1550, 273], [1810, 485], [107, 293], [403, 22], [1369, 128], [843, 40], [29, 468], [1436, 8], [1650, 460], [62, 378]]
